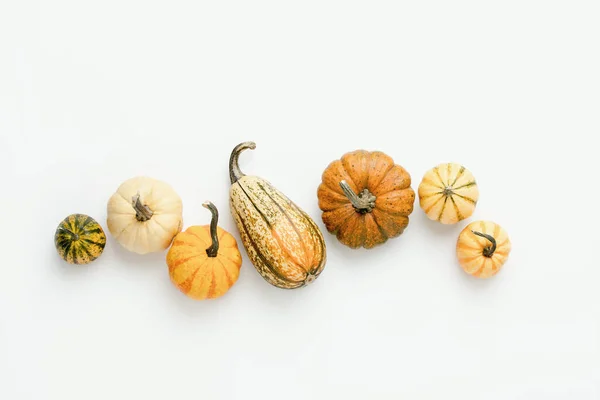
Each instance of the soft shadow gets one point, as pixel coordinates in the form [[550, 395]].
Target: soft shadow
[[473, 283], [362, 258], [438, 229], [73, 271], [276, 298], [135, 260], [182, 304]]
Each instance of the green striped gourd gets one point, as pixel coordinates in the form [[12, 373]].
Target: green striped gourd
[[282, 241], [79, 239]]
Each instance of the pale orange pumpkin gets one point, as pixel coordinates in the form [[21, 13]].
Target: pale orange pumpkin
[[204, 261], [448, 193], [482, 248]]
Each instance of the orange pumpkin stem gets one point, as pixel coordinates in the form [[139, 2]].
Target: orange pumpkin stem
[[363, 203], [234, 169], [142, 211], [488, 251], [213, 250]]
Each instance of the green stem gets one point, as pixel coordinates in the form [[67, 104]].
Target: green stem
[[213, 250], [234, 169], [488, 251]]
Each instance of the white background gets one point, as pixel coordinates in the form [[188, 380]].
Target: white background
[[93, 93]]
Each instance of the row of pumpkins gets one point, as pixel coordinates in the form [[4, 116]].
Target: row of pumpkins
[[366, 199]]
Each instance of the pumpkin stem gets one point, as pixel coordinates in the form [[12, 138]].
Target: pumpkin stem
[[214, 247], [234, 169], [363, 203], [142, 211], [488, 251]]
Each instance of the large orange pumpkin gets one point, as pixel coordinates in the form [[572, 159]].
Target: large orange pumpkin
[[365, 198]]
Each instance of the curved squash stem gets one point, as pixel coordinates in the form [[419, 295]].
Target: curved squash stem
[[488, 251], [234, 169], [214, 247], [142, 211], [363, 203]]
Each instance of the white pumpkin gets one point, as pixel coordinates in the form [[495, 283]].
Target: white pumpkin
[[144, 215]]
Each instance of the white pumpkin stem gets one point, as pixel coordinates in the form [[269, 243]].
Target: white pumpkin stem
[[234, 169], [363, 203], [213, 250], [142, 211], [488, 251]]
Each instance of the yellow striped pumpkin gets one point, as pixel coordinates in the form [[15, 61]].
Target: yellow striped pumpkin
[[204, 261], [282, 241], [79, 239], [482, 248], [448, 193]]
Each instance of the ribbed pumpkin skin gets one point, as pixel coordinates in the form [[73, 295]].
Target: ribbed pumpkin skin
[[79, 239], [195, 273], [376, 172], [155, 234], [448, 193], [283, 242], [470, 247]]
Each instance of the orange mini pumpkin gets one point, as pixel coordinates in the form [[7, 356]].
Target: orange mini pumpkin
[[365, 198], [482, 248], [204, 261]]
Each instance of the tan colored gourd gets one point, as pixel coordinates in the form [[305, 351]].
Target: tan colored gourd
[[144, 215], [282, 241], [483, 248], [448, 193]]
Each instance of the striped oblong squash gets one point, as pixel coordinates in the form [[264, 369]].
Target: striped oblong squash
[[282, 241]]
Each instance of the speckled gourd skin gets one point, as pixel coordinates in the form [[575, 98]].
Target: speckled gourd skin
[[376, 174], [282, 241]]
